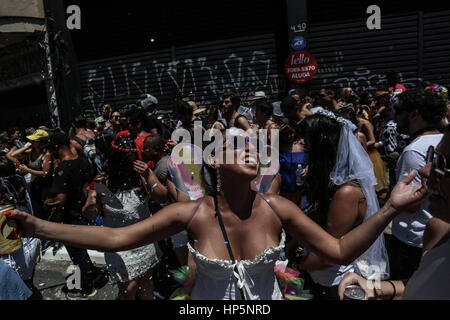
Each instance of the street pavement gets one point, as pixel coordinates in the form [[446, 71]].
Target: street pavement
[[50, 278], [54, 266]]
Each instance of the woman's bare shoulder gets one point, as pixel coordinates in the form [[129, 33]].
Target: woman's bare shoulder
[[349, 190], [188, 205], [283, 207]]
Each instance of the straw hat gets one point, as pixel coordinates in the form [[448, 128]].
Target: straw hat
[[195, 108], [258, 95]]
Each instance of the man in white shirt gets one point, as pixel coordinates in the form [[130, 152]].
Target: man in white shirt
[[418, 114]]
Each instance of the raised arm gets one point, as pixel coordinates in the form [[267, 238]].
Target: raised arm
[[16, 153], [168, 221], [46, 167], [349, 247], [12, 158], [153, 186]]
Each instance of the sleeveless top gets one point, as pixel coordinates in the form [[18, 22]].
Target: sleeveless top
[[36, 165], [216, 279]]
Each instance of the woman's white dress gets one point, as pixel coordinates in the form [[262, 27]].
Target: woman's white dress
[[217, 281]]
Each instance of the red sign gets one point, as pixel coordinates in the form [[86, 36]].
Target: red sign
[[300, 67]]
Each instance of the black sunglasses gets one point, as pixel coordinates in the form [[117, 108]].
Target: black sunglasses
[[439, 162]]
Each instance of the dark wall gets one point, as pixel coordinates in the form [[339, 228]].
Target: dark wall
[[413, 40], [113, 28], [200, 50], [24, 107]]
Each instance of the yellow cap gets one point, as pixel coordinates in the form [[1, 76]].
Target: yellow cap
[[39, 135]]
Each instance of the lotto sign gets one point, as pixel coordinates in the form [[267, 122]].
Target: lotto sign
[[300, 67]]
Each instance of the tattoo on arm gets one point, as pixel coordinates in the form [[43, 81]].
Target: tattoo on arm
[[384, 211]]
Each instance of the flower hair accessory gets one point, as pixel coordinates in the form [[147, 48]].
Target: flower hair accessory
[[113, 144]]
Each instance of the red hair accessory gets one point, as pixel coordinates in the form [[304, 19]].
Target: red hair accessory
[[122, 149], [90, 187]]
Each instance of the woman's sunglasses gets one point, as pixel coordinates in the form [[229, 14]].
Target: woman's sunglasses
[[238, 142], [439, 162]]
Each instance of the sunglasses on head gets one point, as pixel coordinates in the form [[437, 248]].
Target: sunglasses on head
[[439, 162]]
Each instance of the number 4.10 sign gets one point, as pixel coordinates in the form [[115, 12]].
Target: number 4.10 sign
[[300, 67]]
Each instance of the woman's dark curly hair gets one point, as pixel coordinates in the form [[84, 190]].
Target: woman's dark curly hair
[[321, 134], [120, 165]]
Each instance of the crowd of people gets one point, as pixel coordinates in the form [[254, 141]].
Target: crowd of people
[[361, 196]]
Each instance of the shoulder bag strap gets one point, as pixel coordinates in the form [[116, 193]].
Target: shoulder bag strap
[[81, 142], [225, 236]]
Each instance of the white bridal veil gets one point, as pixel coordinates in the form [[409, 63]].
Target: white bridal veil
[[353, 164]]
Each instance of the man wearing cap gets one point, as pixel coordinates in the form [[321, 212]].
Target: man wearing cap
[[68, 194], [148, 103], [249, 112]]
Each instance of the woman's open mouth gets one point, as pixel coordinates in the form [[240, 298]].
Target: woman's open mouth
[[251, 161]]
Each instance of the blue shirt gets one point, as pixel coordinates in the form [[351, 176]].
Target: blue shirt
[[12, 287], [289, 162]]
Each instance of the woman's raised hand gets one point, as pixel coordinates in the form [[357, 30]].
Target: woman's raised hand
[[405, 197]]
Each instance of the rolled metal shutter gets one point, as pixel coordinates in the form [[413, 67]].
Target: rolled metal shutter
[[437, 47], [200, 72], [244, 65], [350, 55], [119, 81]]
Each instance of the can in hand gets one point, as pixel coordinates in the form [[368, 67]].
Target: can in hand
[[9, 238], [355, 292]]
